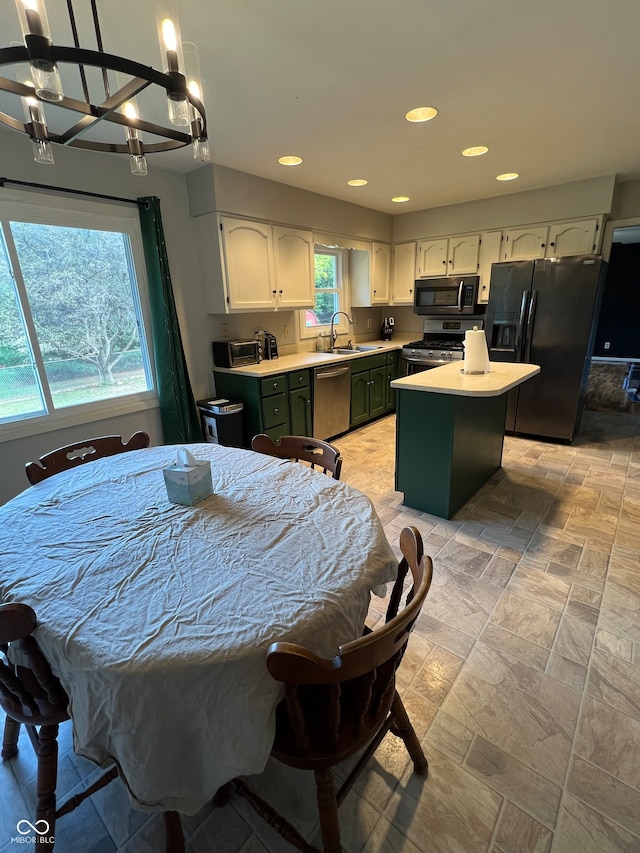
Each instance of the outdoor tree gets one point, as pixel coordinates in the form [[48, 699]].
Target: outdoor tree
[[79, 287]]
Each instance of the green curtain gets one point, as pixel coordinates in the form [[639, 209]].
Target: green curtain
[[180, 420]]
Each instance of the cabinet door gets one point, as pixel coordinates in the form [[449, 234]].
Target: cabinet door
[[572, 238], [404, 273], [248, 261], [463, 255], [432, 257], [300, 411], [294, 265], [380, 273], [377, 395], [523, 244], [391, 373], [490, 246], [359, 398]]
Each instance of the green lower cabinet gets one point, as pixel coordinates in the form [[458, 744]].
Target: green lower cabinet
[[393, 365], [447, 447], [359, 398], [276, 405], [377, 392], [300, 411], [371, 395]]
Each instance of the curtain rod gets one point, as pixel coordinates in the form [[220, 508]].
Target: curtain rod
[[48, 187]]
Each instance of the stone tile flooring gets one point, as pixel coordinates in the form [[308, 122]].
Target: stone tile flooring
[[522, 677]]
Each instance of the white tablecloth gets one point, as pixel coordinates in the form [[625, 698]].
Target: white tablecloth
[[156, 617]]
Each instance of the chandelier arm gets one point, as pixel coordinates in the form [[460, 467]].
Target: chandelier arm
[[98, 59]]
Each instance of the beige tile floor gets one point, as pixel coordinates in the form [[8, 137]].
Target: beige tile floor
[[522, 677]]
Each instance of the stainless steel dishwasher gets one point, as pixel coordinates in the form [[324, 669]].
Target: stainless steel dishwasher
[[331, 400]]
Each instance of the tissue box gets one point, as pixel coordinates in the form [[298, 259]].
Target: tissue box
[[188, 484]]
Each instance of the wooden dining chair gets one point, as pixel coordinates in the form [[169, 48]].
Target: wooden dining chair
[[301, 448], [334, 709], [31, 695], [72, 455]]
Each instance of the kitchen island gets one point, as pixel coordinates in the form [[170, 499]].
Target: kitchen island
[[450, 432]]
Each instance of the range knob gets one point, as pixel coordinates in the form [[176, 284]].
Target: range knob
[[430, 354], [445, 354]]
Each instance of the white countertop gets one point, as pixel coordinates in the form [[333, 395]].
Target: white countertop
[[449, 380], [301, 360]]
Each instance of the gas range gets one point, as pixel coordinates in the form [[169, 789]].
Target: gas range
[[442, 342]]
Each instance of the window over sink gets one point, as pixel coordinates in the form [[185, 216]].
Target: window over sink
[[330, 293]]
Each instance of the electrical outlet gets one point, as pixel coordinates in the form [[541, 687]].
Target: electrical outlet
[[607, 344], [368, 322], [285, 331], [224, 330]]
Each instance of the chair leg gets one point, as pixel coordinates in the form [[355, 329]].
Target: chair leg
[[10, 738], [174, 836], [46, 783], [328, 810], [403, 729]]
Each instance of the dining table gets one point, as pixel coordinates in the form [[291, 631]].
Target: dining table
[[156, 617]]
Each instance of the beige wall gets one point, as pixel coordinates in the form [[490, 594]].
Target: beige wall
[[627, 200], [566, 201], [219, 189]]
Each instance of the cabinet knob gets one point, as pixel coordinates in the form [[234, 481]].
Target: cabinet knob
[[552, 244], [279, 291], [275, 385], [300, 378], [275, 411], [444, 262], [274, 292]]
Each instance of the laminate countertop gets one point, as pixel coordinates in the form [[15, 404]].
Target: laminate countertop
[[449, 379], [302, 360]]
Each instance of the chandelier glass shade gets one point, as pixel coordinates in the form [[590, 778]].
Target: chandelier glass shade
[[90, 121]]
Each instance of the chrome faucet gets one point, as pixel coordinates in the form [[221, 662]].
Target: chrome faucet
[[333, 335]]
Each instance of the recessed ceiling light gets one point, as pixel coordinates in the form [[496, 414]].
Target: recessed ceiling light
[[507, 176], [475, 151], [358, 182], [421, 114], [400, 198], [290, 160]]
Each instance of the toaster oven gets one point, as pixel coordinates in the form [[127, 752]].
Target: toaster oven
[[235, 353]]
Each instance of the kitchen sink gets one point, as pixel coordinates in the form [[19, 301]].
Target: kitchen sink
[[350, 350]]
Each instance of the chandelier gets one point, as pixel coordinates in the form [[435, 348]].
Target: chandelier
[[41, 86]]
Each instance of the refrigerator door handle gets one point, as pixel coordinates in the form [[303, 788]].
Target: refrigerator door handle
[[520, 328], [530, 318]]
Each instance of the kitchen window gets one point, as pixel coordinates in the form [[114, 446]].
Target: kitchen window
[[72, 326], [330, 293]]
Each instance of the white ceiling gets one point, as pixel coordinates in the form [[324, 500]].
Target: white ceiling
[[551, 87]]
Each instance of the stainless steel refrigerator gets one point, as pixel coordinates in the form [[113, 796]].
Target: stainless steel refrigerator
[[545, 312]]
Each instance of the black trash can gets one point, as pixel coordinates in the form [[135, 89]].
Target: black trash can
[[222, 421]]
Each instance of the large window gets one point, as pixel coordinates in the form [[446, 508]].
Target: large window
[[330, 293], [71, 325]]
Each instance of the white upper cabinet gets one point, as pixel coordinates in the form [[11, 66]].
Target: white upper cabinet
[[448, 256], [573, 238], [265, 267], [490, 246], [369, 275], [247, 253], [432, 258], [522, 244], [557, 240], [294, 265], [380, 273], [404, 274], [462, 257]]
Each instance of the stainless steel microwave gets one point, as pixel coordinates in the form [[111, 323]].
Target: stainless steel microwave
[[235, 353], [450, 295]]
